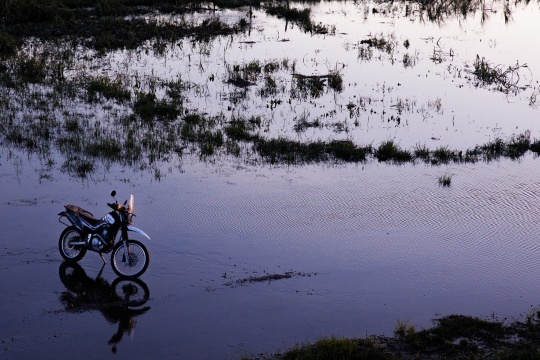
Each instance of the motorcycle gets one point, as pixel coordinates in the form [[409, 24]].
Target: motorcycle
[[129, 258]]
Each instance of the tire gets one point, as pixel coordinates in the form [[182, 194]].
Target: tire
[[131, 292], [137, 261], [71, 252]]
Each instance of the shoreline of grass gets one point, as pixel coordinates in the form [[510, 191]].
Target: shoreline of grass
[[291, 152], [451, 337]]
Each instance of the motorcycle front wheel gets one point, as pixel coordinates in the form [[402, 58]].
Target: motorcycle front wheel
[[130, 261], [69, 251]]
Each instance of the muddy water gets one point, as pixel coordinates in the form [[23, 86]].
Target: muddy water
[[369, 245]]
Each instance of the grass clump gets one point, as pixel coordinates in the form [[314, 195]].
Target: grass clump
[[239, 129], [444, 155], [346, 150], [518, 145], [504, 79], [381, 43], [149, 108], [335, 81], [109, 89], [452, 337], [421, 152], [282, 150], [336, 348], [388, 151], [305, 86], [445, 180], [32, 69]]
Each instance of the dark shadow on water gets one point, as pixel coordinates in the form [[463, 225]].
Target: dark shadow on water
[[119, 302]]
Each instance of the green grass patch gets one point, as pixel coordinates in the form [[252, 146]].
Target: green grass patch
[[149, 108], [445, 180], [451, 337], [388, 151], [107, 88], [336, 348]]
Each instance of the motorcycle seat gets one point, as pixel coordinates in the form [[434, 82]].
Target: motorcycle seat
[[85, 214]]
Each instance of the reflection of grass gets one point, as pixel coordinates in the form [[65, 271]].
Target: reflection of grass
[[302, 17], [46, 109], [105, 25]]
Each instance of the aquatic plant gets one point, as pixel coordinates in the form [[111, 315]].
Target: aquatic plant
[[445, 180], [443, 154], [385, 44], [302, 123], [240, 129], [504, 79], [335, 81], [109, 89], [408, 61], [388, 151], [148, 107], [421, 152], [286, 151]]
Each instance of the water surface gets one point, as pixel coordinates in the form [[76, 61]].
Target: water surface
[[369, 244]]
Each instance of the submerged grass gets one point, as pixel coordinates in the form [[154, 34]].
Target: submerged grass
[[142, 125]]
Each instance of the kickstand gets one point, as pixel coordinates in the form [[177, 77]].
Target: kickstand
[[102, 258], [102, 267]]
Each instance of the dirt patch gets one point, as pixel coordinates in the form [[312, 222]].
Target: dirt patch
[[266, 278]]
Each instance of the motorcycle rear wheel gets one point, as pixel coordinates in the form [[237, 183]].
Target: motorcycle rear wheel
[[132, 265], [68, 251]]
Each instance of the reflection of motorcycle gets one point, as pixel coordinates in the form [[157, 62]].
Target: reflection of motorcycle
[[120, 302], [129, 258]]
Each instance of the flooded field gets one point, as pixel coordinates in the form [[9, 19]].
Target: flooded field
[[331, 168]]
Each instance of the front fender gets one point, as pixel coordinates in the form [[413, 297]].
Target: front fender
[[138, 231]]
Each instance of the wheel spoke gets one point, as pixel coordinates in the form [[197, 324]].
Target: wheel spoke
[[131, 262]]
